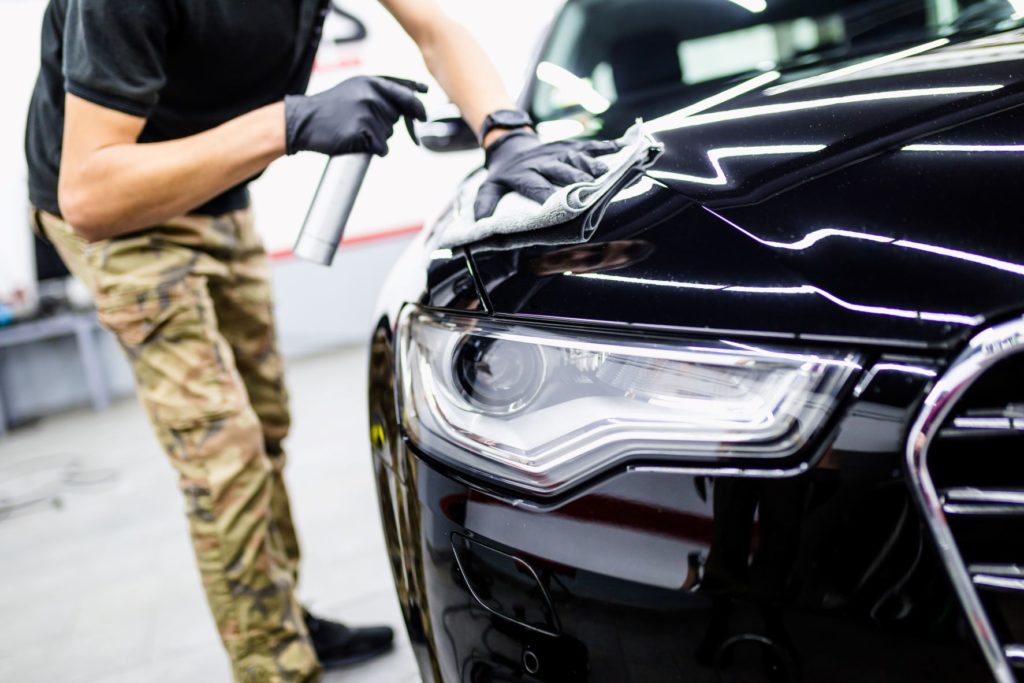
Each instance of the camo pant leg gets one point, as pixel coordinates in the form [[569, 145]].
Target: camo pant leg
[[153, 290], [244, 306]]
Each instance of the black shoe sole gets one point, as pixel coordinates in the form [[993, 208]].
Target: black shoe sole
[[344, 662]]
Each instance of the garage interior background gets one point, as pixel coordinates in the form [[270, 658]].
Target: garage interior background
[[317, 308]]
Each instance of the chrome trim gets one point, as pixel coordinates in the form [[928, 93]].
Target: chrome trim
[[1014, 570], [982, 353], [1008, 577], [976, 501], [1004, 583], [984, 423], [981, 510], [712, 471], [1015, 653]]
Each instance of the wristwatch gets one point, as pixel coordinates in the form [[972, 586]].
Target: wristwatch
[[506, 119]]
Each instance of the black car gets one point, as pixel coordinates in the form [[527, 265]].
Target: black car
[[763, 417]]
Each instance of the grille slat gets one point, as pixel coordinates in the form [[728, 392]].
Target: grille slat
[[982, 501], [1012, 570], [984, 423], [1006, 577]]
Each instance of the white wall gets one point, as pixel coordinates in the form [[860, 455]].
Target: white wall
[[317, 308], [19, 47]]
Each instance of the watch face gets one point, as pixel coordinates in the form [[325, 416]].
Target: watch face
[[510, 119]]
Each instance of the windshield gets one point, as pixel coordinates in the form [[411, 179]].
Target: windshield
[[610, 61]]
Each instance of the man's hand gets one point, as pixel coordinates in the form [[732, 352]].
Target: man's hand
[[356, 116], [519, 163]]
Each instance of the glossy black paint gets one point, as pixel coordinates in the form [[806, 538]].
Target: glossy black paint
[[810, 606], [927, 250], [663, 572]]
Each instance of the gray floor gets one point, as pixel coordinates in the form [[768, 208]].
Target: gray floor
[[97, 582]]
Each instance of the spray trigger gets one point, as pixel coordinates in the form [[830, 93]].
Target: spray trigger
[[415, 86]]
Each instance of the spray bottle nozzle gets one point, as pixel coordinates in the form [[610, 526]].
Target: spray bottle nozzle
[[415, 86]]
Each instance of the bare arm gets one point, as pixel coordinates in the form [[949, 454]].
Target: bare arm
[[455, 59], [111, 185]]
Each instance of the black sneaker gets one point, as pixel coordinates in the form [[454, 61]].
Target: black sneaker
[[338, 645]]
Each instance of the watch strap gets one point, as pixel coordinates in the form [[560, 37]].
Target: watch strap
[[504, 119]]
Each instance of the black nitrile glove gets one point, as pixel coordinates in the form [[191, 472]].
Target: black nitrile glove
[[358, 115], [519, 162]]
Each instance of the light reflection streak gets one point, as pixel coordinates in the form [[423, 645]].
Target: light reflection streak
[[675, 122], [860, 308], [716, 156], [759, 352], [998, 264], [752, 6], [641, 187], [879, 368], [944, 61], [808, 240], [906, 369], [963, 148], [948, 318], [856, 68], [813, 238], [561, 129], [727, 95], [753, 289], [573, 87], [658, 283]]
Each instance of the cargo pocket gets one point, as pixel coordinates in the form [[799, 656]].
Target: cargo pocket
[[184, 369]]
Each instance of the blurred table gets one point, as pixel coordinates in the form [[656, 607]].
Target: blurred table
[[82, 326]]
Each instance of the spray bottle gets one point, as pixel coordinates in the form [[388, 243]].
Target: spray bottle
[[332, 205], [335, 197]]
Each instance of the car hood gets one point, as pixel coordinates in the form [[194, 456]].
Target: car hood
[[870, 203], [761, 135]]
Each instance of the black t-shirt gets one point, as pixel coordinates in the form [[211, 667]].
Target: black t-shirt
[[185, 65]]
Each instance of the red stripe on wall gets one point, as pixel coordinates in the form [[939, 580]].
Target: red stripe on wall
[[348, 62], [365, 238]]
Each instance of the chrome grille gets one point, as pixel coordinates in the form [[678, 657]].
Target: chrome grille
[[977, 501], [965, 460]]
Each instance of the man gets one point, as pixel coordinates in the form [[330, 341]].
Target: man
[[168, 108]]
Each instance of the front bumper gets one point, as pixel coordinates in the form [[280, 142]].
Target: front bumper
[[663, 574]]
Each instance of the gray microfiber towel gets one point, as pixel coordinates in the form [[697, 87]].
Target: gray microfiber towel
[[517, 214]]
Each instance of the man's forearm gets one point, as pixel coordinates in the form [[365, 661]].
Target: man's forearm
[[125, 187], [465, 72], [455, 58]]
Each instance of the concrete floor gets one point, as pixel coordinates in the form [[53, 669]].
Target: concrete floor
[[97, 580]]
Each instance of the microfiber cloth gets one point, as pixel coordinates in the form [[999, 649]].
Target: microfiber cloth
[[517, 214]]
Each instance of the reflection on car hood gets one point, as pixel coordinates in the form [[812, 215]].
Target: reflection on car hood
[[870, 205], [750, 140]]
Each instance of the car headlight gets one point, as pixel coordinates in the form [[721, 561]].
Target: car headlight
[[539, 408]]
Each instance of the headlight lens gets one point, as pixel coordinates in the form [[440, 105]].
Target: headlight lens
[[541, 408], [497, 376]]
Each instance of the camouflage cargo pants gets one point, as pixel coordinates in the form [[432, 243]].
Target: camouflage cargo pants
[[190, 302]]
